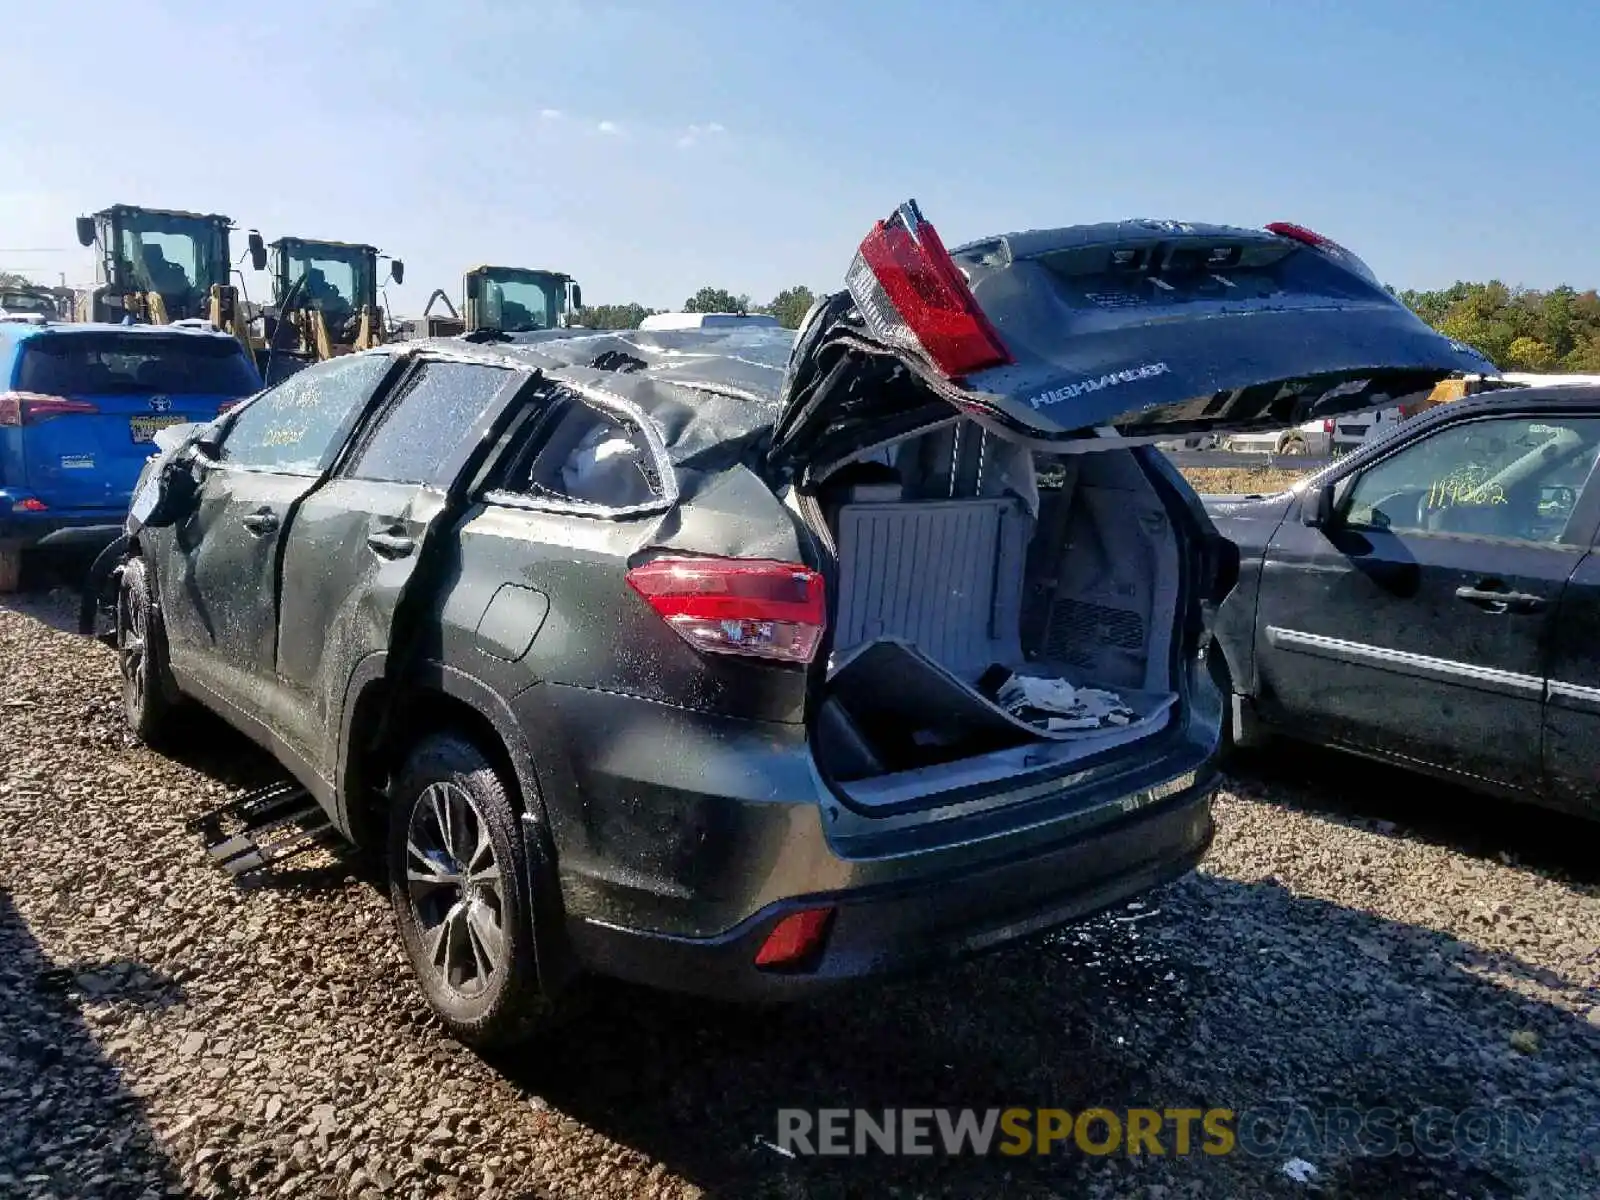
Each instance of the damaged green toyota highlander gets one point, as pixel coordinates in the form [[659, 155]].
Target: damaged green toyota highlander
[[745, 661]]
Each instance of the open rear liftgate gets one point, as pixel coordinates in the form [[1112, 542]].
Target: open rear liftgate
[[264, 827]]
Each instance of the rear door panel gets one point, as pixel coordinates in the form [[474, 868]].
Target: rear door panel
[[1361, 637], [1572, 711], [363, 542]]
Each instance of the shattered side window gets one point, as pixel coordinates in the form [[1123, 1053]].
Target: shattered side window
[[594, 458], [422, 427], [293, 428]]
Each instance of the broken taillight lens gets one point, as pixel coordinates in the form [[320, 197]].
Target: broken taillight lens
[[29, 408], [756, 607], [912, 296]]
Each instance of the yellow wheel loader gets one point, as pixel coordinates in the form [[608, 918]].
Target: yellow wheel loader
[[156, 266], [325, 298], [502, 300]]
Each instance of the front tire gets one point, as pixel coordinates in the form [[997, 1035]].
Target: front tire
[[455, 860], [142, 656]]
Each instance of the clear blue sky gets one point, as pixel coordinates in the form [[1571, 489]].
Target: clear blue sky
[[650, 148]]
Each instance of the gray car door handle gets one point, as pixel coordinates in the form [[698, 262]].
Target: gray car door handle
[[261, 522], [391, 545], [1496, 601]]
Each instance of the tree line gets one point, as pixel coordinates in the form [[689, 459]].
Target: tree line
[[789, 306], [1520, 329]]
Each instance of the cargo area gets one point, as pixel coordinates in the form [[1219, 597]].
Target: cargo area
[[996, 614]]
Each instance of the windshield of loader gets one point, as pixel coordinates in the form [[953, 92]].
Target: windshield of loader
[[522, 301], [338, 279], [179, 257]]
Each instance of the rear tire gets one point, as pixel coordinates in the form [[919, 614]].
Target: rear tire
[[456, 859], [147, 691], [1294, 446]]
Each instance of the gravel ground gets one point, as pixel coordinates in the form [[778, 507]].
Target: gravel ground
[[165, 1032]]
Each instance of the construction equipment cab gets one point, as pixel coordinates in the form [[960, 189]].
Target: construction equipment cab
[[519, 299], [327, 292], [156, 266]]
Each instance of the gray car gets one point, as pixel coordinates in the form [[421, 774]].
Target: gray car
[[746, 662]]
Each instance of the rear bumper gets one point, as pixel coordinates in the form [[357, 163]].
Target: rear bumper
[[683, 838], [92, 528], [922, 925]]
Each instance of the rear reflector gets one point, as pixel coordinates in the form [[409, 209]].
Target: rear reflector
[[29, 408], [748, 606], [795, 938], [912, 296]]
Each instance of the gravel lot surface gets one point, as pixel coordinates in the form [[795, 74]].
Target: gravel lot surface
[[165, 1032]]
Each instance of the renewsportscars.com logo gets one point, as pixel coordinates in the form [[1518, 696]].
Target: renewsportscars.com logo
[[1269, 1130], [1012, 1131]]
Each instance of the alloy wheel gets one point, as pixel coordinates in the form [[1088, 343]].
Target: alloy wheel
[[455, 889], [132, 633]]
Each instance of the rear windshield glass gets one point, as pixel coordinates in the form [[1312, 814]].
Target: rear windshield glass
[[108, 364]]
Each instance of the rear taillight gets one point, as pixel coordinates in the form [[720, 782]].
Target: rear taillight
[[226, 405], [29, 408], [31, 504], [1327, 425], [745, 606], [912, 296]]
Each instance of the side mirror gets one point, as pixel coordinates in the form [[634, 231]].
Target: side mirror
[[165, 497], [1317, 508], [258, 251], [474, 286], [85, 231], [577, 298], [397, 270]]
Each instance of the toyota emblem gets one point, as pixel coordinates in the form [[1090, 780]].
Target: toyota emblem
[[160, 404]]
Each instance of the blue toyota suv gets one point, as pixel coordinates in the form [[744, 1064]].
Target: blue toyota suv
[[79, 405]]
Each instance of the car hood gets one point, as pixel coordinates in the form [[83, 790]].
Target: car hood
[[1124, 332]]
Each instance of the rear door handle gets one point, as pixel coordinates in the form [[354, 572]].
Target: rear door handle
[[1497, 601], [391, 545], [261, 522]]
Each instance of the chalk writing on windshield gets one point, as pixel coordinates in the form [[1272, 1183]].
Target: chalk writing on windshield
[[1465, 487]]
